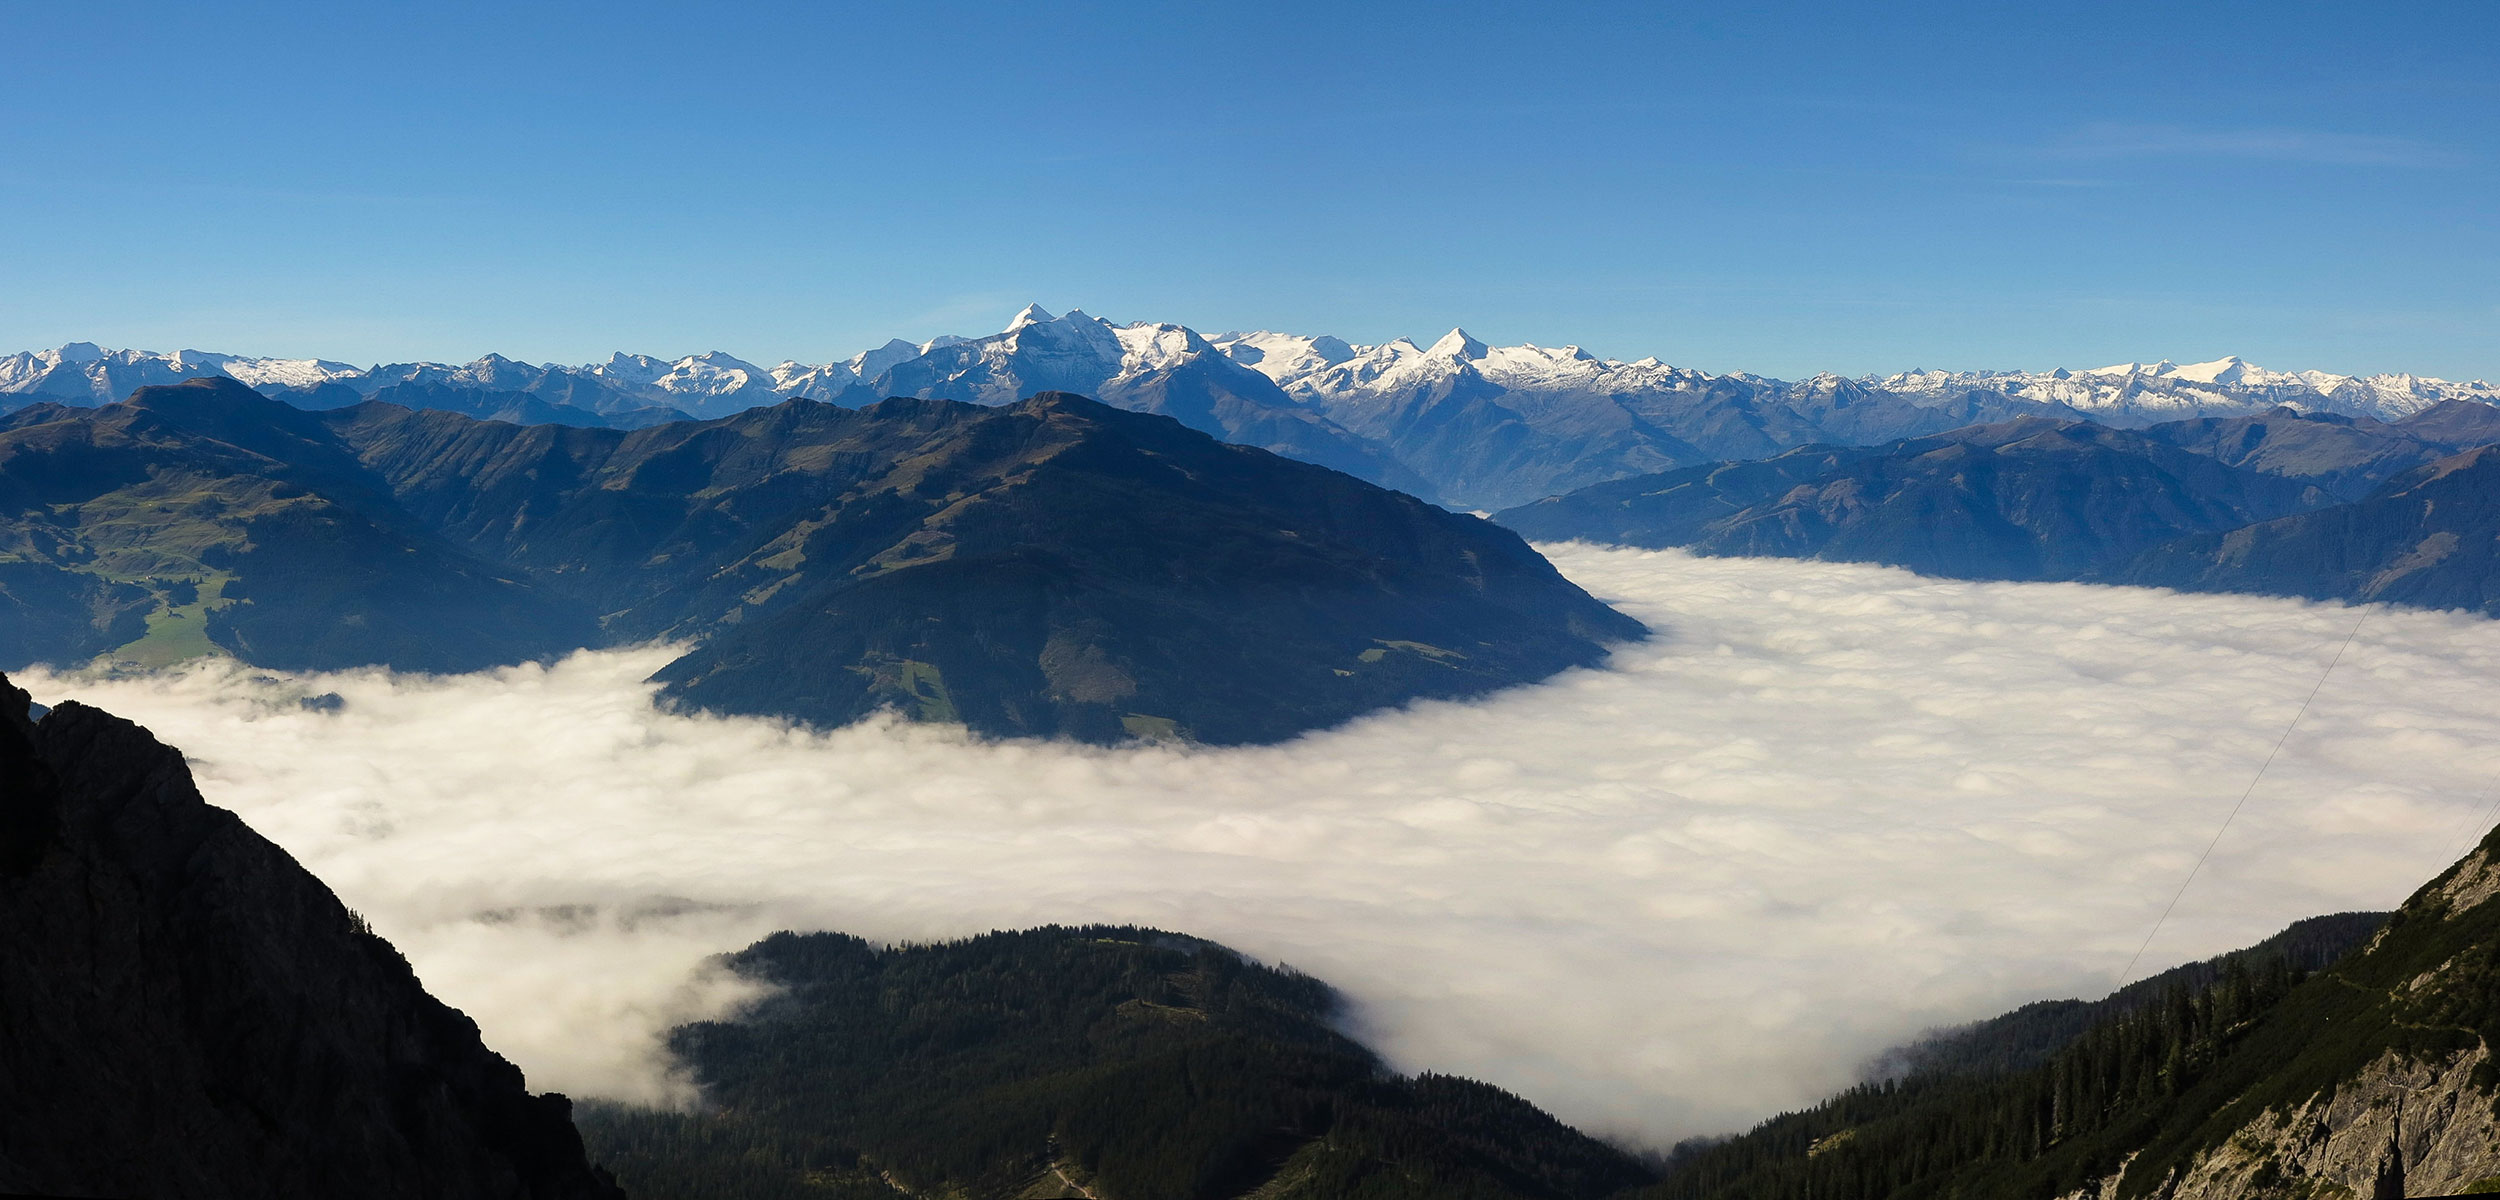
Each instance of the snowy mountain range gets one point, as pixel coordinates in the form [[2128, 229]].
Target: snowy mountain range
[[1459, 420], [85, 373]]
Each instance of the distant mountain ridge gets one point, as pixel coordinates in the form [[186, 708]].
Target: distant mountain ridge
[[2286, 503], [1458, 420]]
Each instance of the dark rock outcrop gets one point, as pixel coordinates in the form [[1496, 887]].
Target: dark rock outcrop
[[185, 1012]]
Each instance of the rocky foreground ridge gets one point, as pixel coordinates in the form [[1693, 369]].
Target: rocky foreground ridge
[[2386, 1089], [186, 1012]]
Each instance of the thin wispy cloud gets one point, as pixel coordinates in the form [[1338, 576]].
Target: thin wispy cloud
[[1828, 807], [2113, 142]]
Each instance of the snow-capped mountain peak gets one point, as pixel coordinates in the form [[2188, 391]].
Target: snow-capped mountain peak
[[1145, 347], [1457, 343], [1284, 357]]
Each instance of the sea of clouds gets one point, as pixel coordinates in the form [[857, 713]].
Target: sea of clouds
[[1826, 808]]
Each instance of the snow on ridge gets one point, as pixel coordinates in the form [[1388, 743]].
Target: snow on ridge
[[1074, 349], [83, 372], [2227, 386]]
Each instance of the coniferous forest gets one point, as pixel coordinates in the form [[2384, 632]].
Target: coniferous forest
[[1066, 1061]]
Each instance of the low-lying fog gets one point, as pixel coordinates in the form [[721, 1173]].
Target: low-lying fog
[[1827, 807]]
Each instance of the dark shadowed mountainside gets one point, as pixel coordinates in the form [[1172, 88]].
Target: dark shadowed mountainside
[[2428, 538], [186, 1013], [1096, 1061], [1053, 566], [2027, 499]]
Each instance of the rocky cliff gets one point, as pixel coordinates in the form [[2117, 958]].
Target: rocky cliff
[[2381, 1085], [186, 1012]]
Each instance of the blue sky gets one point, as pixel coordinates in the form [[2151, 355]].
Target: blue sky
[[1776, 188]]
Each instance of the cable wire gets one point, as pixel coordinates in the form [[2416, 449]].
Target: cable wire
[[2129, 973]]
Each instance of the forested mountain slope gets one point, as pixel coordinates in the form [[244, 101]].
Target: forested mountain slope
[[2376, 1073], [185, 1013], [2032, 1034], [1120, 1063]]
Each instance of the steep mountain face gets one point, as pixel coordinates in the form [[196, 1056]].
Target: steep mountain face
[[2371, 1078], [2028, 499], [1114, 1062], [2429, 537], [184, 1012], [1050, 567]]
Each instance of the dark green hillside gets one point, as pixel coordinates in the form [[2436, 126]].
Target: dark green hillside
[[1117, 1062], [2028, 499], [2180, 1084], [2430, 537], [1221, 593]]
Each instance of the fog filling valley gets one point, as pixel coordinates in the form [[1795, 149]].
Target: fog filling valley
[[1825, 808]]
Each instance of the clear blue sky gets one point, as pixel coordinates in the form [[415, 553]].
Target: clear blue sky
[[1777, 188]]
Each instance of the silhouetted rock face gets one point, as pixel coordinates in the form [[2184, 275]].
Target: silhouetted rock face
[[186, 1012]]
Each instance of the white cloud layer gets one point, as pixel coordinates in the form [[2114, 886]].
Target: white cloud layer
[[1828, 807]]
